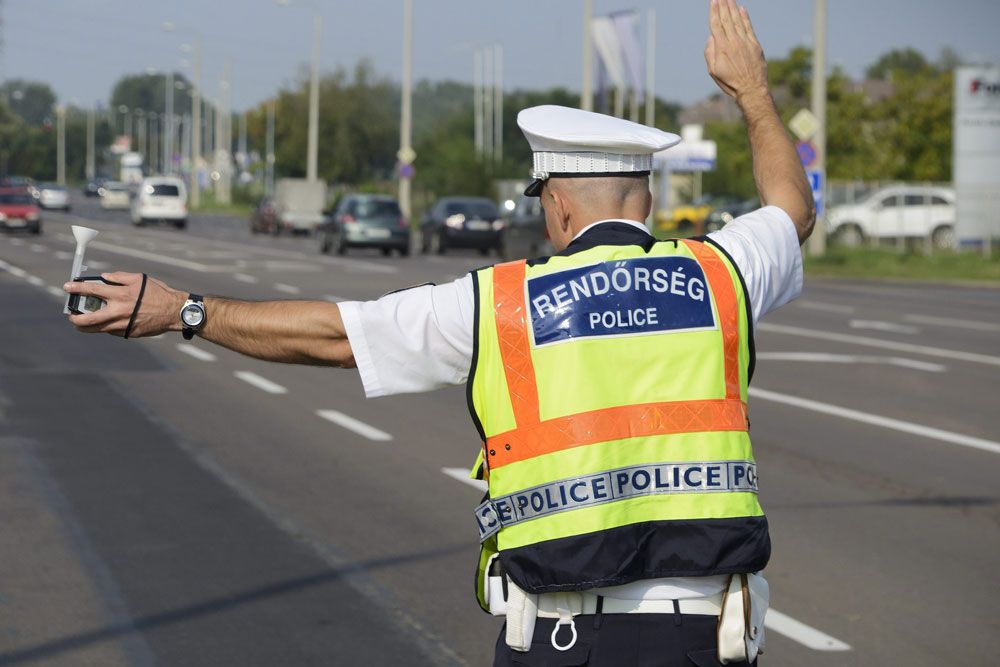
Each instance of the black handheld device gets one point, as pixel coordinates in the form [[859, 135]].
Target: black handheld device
[[80, 303]]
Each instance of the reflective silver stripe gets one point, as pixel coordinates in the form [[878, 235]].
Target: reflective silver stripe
[[607, 487]]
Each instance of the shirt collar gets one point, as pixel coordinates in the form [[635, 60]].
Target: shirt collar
[[633, 223]]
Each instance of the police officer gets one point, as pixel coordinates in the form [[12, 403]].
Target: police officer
[[608, 384]]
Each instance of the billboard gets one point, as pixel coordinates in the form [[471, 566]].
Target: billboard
[[976, 143]]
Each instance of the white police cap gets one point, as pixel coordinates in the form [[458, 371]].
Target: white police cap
[[571, 142]]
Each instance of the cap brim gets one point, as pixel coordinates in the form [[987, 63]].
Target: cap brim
[[534, 188]]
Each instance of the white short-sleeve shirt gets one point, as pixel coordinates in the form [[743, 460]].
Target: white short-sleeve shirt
[[421, 338]]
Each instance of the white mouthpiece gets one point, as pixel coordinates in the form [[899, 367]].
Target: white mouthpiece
[[83, 235]]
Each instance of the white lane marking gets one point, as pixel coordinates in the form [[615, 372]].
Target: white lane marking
[[154, 257], [878, 342], [334, 299], [288, 289], [352, 424], [261, 383], [35, 280], [798, 631], [774, 620], [878, 420], [17, 271], [38, 247], [56, 291], [98, 266], [824, 357], [196, 352], [245, 278], [462, 475], [16, 242], [949, 322], [63, 255], [879, 325]]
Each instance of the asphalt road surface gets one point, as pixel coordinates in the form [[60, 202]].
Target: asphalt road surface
[[174, 503]]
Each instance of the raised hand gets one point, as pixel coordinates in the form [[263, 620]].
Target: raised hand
[[734, 56]]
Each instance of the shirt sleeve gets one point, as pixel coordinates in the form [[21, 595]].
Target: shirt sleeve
[[413, 340], [764, 245]]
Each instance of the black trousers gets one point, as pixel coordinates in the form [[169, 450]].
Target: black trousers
[[620, 640]]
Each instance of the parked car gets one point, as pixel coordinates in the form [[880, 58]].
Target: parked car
[[162, 199], [462, 222], [366, 221], [18, 210], [53, 196], [115, 195], [899, 211], [93, 187], [726, 213], [264, 218], [526, 235], [689, 219]]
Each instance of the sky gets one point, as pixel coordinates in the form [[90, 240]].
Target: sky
[[81, 47]]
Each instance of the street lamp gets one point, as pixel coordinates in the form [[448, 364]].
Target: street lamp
[[126, 121], [313, 146], [194, 48]]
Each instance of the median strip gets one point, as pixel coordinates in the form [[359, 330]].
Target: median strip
[[352, 424]]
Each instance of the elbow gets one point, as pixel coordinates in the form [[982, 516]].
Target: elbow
[[805, 222]]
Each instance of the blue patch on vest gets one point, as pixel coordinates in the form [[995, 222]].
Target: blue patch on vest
[[623, 297]]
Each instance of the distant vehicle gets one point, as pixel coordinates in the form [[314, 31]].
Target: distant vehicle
[[160, 199], [724, 214], [53, 196], [689, 219], [899, 211], [18, 210], [366, 221], [299, 204], [463, 222], [114, 196], [526, 235], [93, 187], [131, 168], [264, 218]]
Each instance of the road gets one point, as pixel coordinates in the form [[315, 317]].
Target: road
[[174, 503]]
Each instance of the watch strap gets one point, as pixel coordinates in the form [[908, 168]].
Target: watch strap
[[186, 331]]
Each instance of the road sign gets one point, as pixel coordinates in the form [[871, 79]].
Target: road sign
[[688, 156], [407, 170], [406, 155], [804, 124], [807, 153], [817, 180]]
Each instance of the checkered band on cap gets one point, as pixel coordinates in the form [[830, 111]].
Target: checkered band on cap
[[585, 162]]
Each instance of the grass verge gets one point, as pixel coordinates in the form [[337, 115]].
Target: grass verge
[[876, 263]]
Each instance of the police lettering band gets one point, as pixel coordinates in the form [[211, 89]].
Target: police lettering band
[[620, 484]]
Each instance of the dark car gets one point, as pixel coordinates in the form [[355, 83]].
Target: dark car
[[526, 235], [19, 210], [366, 221], [264, 218], [93, 187], [721, 215], [463, 222]]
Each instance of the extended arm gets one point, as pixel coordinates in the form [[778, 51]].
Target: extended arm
[[299, 332], [736, 62]]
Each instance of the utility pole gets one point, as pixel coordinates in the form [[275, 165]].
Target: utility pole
[[61, 145], [406, 155], [154, 141], [488, 103], [140, 120], [650, 63], [497, 103], [587, 91], [817, 241], [477, 78], [91, 170], [168, 127], [194, 181], [313, 158], [223, 124], [269, 150]]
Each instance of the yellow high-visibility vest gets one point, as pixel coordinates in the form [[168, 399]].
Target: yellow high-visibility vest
[[609, 387]]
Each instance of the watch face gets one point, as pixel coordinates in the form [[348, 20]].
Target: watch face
[[193, 315]]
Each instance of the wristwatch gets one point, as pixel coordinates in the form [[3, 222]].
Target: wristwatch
[[192, 316]]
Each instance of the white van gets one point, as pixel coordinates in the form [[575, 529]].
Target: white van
[[160, 198]]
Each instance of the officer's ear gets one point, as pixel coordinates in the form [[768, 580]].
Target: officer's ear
[[560, 208]]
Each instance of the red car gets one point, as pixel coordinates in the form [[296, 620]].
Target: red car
[[19, 210]]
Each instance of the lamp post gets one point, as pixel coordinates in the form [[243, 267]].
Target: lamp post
[[312, 150]]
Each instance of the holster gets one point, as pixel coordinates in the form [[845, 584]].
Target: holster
[[741, 622]]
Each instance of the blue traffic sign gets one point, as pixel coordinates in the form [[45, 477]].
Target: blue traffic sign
[[817, 181], [807, 153]]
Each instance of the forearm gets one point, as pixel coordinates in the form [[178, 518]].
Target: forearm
[[295, 332], [777, 170]]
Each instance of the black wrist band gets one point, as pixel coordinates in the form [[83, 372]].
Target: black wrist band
[[135, 311]]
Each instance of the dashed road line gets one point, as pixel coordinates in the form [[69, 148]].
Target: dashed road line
[[827, 358], [829, 307], [260, 382], [879, 325], [63, 255], [352, 424], [16, 242], [949, 322], [286, 288], [804, 634], [196, 352], [35, 280], [38, 247], [334, 299], [878, 420], [878, 342], [245, 278], [56, 291], [462, 475]]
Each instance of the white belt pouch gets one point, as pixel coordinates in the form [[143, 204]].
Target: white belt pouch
[[741, 623]]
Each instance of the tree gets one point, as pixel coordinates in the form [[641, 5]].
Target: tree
[[906, 60], [31, 100], [149, 92]]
